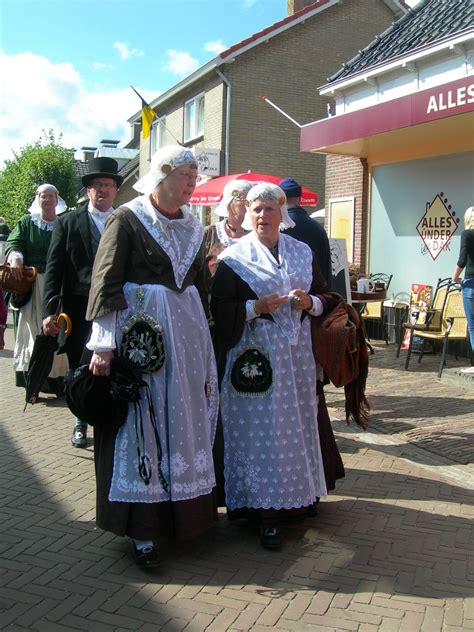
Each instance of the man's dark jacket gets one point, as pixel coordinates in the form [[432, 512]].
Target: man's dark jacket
[[309, 231], [68, 272]]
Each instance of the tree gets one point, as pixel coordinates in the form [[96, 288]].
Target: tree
[[46, 160]]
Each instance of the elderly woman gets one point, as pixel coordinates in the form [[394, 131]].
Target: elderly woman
[[217, 237], [264, 288], [232, 209], [28, 245], [150, 268]]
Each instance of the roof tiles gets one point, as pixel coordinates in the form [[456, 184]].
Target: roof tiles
[[427, 23]]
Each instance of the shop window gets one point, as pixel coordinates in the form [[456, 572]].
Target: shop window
[[194, 118], [158, 134], [341, 222]]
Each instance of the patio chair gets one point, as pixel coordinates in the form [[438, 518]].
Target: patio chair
[[453, 326], [374, 310], [432, 320]]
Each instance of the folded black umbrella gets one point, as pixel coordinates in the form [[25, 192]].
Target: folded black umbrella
[[42, 357], [40, 366]]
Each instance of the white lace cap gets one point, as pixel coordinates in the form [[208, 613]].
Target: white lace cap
[[35, 208], [268, 191], [232, 190], [163, 162]]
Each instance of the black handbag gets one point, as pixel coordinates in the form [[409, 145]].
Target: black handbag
[[17, 301], [103, 402], [252, 373], [142, 339]]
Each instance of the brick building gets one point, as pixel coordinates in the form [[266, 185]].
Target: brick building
[[400, 149], [219, 106]]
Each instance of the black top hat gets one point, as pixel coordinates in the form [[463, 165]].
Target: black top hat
[[102, 168]]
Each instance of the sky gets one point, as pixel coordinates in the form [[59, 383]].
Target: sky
[[68, 65]]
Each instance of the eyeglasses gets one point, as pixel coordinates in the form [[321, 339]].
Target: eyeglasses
[[103, 185]]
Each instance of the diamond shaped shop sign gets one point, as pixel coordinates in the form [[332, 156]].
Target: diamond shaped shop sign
[[438, 225]]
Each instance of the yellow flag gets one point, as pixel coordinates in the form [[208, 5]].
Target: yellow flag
[[148, 114]]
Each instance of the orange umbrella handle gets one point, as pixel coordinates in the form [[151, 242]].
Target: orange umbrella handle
[[66, 319]]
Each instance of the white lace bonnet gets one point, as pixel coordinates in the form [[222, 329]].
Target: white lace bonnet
[[232, 190], [268, 191], [163, 162], [35, 208]]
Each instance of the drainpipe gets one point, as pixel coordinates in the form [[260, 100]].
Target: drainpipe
[[227, 120]]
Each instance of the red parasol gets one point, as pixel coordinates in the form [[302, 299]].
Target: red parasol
[[210, 193]]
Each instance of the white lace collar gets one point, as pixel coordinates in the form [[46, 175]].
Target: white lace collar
[[255, 264], [222, 236], [180, 238], [42, 224]]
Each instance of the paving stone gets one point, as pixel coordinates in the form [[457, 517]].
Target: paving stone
[[390, 549]]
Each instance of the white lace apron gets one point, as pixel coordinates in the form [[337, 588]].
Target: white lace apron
[[186, 411], [272, 454]]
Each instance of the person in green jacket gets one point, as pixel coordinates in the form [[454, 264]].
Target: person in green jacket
[[27, 245]]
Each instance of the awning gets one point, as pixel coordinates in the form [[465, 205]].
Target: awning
[[439, 120]]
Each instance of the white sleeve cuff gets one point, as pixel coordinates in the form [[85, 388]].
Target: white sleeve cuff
[[103, 333], [13, 256], [317, 308], [251, 314]]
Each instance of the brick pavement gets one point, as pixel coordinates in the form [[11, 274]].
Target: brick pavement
[[392, 550]]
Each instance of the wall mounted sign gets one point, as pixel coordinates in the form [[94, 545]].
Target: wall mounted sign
[[438, 225], [208, 161]]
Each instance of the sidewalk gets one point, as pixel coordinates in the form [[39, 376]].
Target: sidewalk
[[392, 550]]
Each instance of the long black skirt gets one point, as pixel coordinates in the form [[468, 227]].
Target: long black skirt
[[182, 520]]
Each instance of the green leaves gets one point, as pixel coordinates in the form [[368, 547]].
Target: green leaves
[[45, 160]]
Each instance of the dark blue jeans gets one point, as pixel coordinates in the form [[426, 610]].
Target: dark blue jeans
[[468, 300]]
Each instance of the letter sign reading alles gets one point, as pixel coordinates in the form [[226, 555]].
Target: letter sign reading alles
[[438, 225], [448, 99]]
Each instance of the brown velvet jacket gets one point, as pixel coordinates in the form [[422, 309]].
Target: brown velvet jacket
[[127, 252]]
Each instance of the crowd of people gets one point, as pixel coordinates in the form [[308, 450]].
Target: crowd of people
[[231, 409]]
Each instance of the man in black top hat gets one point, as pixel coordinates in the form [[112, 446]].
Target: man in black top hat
[[74, 243], [306, 228]]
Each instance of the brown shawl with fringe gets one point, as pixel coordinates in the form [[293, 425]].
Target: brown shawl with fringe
[[339, 346]]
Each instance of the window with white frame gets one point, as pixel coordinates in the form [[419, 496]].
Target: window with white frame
[[194, 118], [158, 133]]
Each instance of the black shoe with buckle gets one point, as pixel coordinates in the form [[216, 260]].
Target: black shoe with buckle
[[270, 538], [79, 436], [146, 557]]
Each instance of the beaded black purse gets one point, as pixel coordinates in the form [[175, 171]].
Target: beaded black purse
[[142, 339], [252, 373]]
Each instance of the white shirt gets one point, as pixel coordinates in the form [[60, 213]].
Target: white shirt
[[99, 217]]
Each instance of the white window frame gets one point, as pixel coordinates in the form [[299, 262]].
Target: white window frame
[[193, 127], [158, 133]]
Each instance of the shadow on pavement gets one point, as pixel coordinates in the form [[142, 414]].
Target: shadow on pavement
[[383, 532]]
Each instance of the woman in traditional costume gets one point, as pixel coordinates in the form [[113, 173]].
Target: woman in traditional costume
[[217, 237], [150, 269], [229, 230], [28, 245], [264, 288]]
